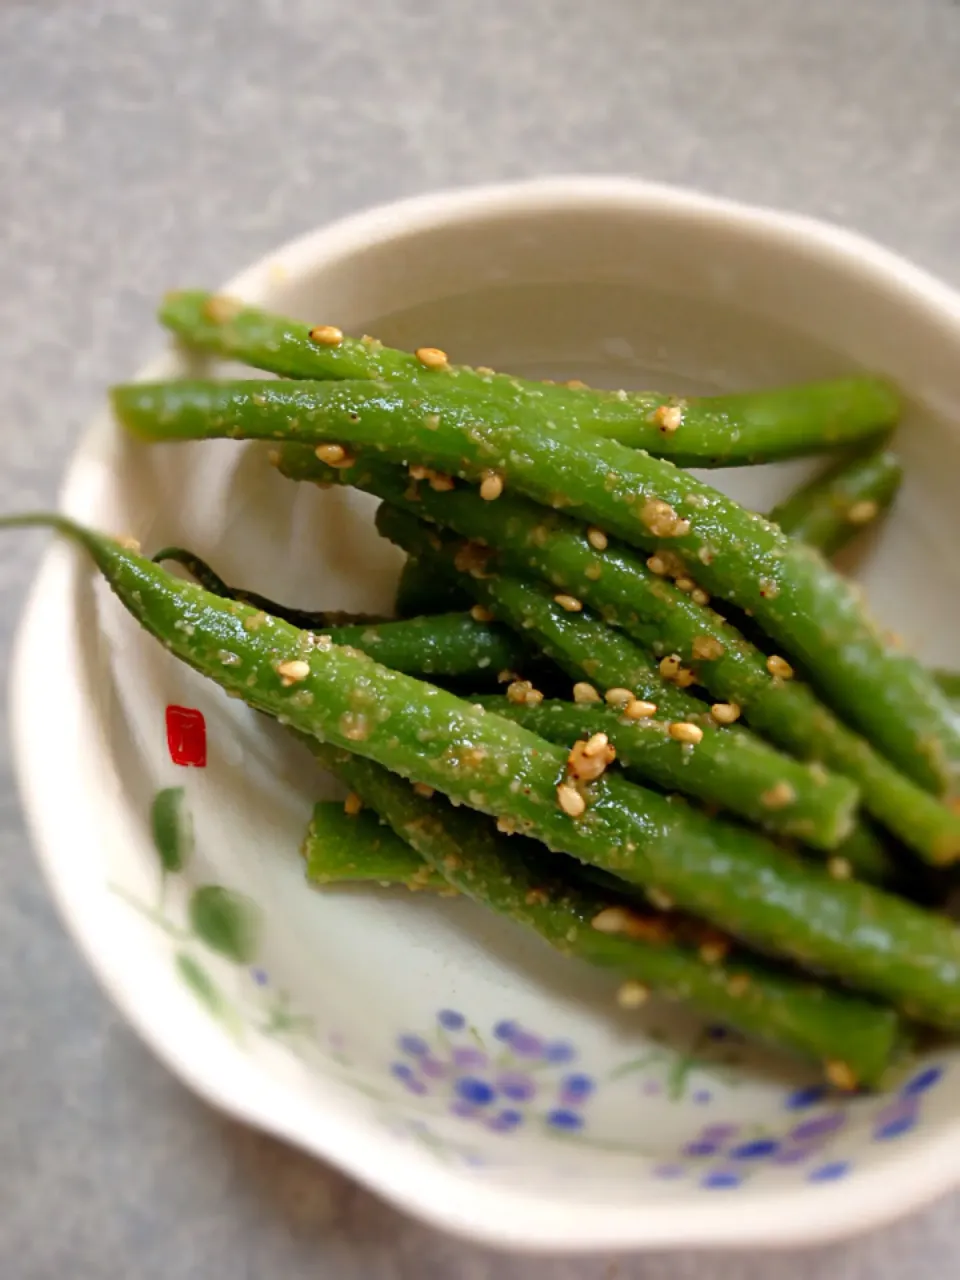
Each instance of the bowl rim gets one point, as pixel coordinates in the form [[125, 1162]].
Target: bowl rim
[[503, 1216]]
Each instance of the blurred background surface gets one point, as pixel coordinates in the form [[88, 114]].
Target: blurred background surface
[[144, 145]]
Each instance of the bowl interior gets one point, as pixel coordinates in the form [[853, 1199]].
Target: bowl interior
[[429, 1019]]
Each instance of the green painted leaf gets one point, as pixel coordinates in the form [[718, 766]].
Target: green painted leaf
[[200, 983], [228, 922], [172, 828]]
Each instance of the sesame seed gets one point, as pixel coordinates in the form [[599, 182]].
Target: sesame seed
[[841, 1076], [638, 709], [863, 512], [522, 693], [479, 614], [424, 789], [594, 572], [739, 984], [588, 760], [725, 712], [576, 385], [491, 486], [714, 951], [432, 357], [584, 692], [705, 555], [660, 900], [537, 898], [352, 805], [326, 335], [441, 483], [685, 584], [707, 648], [570, 603], [293, 670], [779, 796], [699, 596], [506, 676], [683, 731], [597, 538], [618, 697], [631, 995], [334, 455], [596, 744], [779, 667], [839, 869], [657, 565], [661, 519], [570, 800], [221, 309], [129, 543], [611, 920], [668, 418], [485, 371], [670, 666], [507, 825]]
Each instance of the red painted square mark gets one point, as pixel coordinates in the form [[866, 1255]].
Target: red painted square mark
[[187, 736]]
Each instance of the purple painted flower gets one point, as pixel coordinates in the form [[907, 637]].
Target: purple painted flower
[[808, 1096], [401, 1070], [669, 1171], [719, 1132], [561, 1118], [260, 977], [474, 1090], [698, 1150], [450, 1020], [505, 1120], [525, 1045], [759, 1149], [896, 1127], [463, 1110], [576, 1089], [516, 1086], [415, 1086], [922, 1081], [792, 1155], [702, 1097], [432, 1067], [416, 1046], [721, 1179], [829, 1172], [819, 1126], [559, 1052], [466, 1056]]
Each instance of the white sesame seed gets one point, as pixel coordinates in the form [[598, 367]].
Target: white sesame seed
[[779, 796], [479, 614], [570, 800], [334, 455], [491, 486], [725, 712], [352, 805], [584, 692], [639, 709], [699, 596], [682, 731], [779, 667], [432, 357], [326, 335], [596, 744], [611, 920], [424, 789], [631, 995], [863, 512], [293, 670], [618, 697], [668, 418], [841, 1076], [570, 603], [839, 869], [597, 538]]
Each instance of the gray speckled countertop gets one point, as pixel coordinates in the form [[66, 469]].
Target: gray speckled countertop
[[146, 144]]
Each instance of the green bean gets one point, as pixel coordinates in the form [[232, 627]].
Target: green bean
[[856, 1039], [309, 620], [625, 591], [723, 873], [816, 615], [419, 593], [449, 645], [838, 503], [728, 768], [724, 430], [344, 848]]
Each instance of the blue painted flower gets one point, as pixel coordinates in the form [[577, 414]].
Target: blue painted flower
[[808, 1096], [401, 1070], [450, 1020], [830, 1172], [721, 1179], [575, 1089], [895, 1128], [558, 1052], [702, 1097], [516, 1086], [505, 1121], [561, 1118], [260, 977], [756, 1150], [922, 1081], [506, 1030], [698, 1150], [474, 1090], [416, 1046]]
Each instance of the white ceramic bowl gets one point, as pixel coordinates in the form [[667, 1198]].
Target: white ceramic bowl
[[446, 1060]]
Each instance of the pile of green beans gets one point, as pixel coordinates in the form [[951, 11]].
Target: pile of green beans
[[615, 707]]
